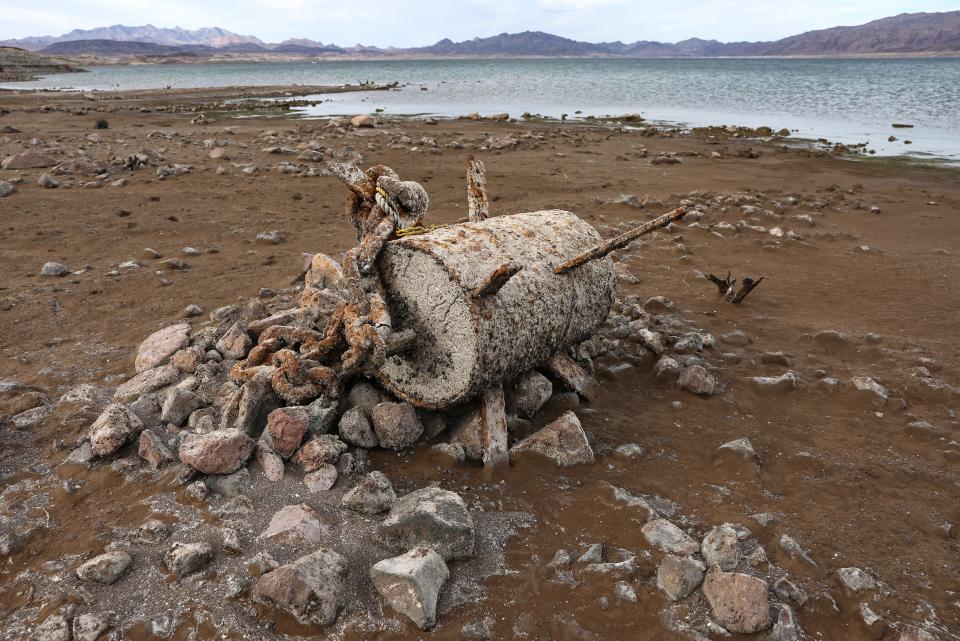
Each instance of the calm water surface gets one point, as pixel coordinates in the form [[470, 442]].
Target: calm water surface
[[847, 101]]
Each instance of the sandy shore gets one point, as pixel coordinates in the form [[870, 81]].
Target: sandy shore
[[863, 250]]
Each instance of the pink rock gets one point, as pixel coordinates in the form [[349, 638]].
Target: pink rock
[[287, 426], [322, 479], [113, 429], [161, 345], [563, 441], [739, 601], [318, 451], [153, 451], [295, 525], [271, 463], [219, 452], [28, 160], [235, 343], [363, 121], [312, 588]]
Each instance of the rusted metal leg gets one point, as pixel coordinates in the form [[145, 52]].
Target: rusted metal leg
[[493, 414]]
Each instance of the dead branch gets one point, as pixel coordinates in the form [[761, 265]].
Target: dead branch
[[745, 288], [621, 241], [723, 284]]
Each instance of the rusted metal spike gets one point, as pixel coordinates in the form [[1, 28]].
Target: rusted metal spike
[[621, 241], [497, 279]]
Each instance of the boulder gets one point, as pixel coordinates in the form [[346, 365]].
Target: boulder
[[429, 517], [396, 425], [410, 584], [106, 568], [311, 588], [739, 602], [355, 429], [157, 349], [678, 576], [563, 441], [28, 160], [529, 393], [116, 426], [186, 558], [720, 548], [219, 452], [295, 525], [152, 450], [372, 495], [666, 536]]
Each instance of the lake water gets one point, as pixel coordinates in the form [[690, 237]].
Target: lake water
[[848, 101]]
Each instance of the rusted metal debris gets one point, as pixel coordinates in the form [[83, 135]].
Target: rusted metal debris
[[728, 287]]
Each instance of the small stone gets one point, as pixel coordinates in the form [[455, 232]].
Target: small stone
[[355, 429], [410, 584], [667, 370], [189, 359], [116, 426], [720, 548], [186, 558], [260, 564], [106, 568], [287, 427], [396, 425], [666, 536], [678, 576], [230, 539], [157, 349], [531, 390], [783, 383], [6, 189], [789, 545], [854, 580], [48, 182], [629, 450], [198, 490], [192, 311], [737, 338], [874, 624], [738, 601], [321, 449], [179, 405], [365, 396], [295, 525], [146, 382], [448, 453], [374, 494], [651, 340], [324, 273], [479, 630], [698, 380], [270, 461], [430, 517], [312, 588], [788, 592], [54, 269], [219, 452], [273, 237], [54, 628], [89, 626], [625, 592], [152, 450], [321, 479], [563, 441], [363, 121], [737, 452]]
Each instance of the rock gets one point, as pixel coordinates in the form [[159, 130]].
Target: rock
[[789, 545], [783, 383], [179, 404], [396, 425], [563, 441], [54, 269], [234, 484], [625, 592], [365, 396], [355, 429], [363, 121], [48, 182], [287, 427], [719, 548], [854, 580], [248, 408], [832, 340], [89, 626], [311, 588], [869, 387], [736, 453], [629, 450], [738, 601], [467, 433], [272, 237], [528, 394], [667, 370], [54, 628], [146, 382], [320, 450], [737, 338], [260, 564], [666, 536], [186, 558], [698, 380], [116, 426], [324, 273], [6, 189], [410, 584], [678, 576], [479, 630], [157, 349], [874, 624], [189, 359], [321, 479], [788, 592], [192, 311], [372, 495], [651, 340], [106, 568], [235, 343], [230, 539], [429, 517], [219, 452], [295, 525], [152, 450], [785, 627], [270, 461], [28, 160], [446, 453]]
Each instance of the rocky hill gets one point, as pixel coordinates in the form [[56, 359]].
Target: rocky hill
[[19, 64]]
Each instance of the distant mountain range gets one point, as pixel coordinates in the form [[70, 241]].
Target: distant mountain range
[[908, 33]]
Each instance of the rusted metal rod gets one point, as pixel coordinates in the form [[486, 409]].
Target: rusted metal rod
[[477, 203], [621, 241]]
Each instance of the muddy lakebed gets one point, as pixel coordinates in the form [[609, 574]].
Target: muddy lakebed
[[785, 468]]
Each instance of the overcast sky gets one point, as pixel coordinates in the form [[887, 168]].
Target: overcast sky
[[402, 23]]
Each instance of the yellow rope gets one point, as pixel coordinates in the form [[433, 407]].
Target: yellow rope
[[417, 230]]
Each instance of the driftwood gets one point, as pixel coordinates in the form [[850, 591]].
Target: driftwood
[[466, 343], [621, 241], [728, 287]]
